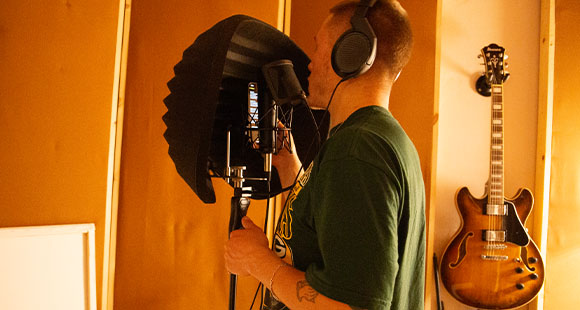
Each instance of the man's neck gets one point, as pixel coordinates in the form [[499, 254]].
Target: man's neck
[[355, 94]]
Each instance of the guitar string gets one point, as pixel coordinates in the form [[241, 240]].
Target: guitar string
[[494, 152], [492, 243], [492, 172], [497, 164]]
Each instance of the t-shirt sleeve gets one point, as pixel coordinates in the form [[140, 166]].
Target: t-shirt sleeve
[[355, 218]]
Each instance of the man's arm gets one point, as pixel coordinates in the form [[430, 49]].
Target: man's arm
[[291, 287], [247, 253]]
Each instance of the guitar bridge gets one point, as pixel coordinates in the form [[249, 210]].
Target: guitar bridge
[[495, 247], [495, 257]]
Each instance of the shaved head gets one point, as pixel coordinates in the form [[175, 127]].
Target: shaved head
[[391, 26]]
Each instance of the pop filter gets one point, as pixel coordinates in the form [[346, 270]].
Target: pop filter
[[209, 98]]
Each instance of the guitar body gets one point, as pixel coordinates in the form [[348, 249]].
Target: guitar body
[[492, 274]]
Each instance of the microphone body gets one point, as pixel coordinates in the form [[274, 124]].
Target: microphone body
[[283, 88], [267, 111]]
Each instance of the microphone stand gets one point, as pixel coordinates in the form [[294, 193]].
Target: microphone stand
[[239, 207], [240, 202]]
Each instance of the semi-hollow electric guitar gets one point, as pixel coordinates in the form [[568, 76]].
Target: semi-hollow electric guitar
[[491, 262]]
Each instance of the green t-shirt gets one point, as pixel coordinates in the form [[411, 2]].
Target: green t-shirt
[[355, 221]]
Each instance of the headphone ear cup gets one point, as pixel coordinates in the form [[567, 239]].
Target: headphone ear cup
[[351, 54]]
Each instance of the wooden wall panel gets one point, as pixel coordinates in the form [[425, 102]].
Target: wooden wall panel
[[563, 250], [170, 245], [56, 85]]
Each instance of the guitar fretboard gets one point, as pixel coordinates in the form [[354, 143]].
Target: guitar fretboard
[[496, 187]]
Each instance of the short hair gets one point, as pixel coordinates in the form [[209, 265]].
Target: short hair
[[392, 28]]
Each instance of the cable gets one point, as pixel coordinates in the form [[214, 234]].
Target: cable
[[255, 295], [317, 132]]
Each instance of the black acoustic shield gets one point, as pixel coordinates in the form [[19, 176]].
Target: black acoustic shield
[[209, 96]]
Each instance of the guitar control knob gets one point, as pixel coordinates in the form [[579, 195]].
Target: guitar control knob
[[520, 286], [519, 270], [533, 260], [534, 276]]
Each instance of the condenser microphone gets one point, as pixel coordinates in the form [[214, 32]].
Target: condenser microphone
[[283, 88], [282, 83], [268, 116]]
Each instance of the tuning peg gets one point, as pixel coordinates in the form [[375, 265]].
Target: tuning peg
[[506, 76], [479, 56]]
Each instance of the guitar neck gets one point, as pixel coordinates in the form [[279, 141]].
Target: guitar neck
[[496, 185]]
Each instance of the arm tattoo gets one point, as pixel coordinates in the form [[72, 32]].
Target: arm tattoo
[[305, 291]]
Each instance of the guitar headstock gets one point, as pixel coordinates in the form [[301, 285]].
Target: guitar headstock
[[494, 61]]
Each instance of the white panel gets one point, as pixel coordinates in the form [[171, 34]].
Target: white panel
[[47, 267]]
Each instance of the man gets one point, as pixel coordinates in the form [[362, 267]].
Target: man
[[352, 233]]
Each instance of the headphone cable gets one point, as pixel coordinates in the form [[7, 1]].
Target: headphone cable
[[324, 115]]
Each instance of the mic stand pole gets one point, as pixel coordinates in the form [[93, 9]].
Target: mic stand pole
[[239, 207]]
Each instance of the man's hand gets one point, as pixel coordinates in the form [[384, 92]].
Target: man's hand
[[286, 162], [246, 249]]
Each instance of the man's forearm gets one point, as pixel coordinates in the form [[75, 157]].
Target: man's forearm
[[290, 286]]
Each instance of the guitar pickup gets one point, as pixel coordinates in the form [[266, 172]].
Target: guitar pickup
[[494, 235], [496, 209]]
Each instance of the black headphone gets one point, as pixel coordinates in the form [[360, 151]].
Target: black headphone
[[354, 52]]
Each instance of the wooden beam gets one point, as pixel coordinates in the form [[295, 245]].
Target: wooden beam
[[544, 140], [114, 165]]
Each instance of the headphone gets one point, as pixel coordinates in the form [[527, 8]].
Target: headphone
[[355, 50]]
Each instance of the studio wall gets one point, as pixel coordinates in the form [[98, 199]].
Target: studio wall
[[56, 89], [57, 82], [563, 250], [170, 244]]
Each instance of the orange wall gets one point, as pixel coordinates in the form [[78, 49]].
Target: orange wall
[[412, 100], [56, 85], [561, 289], [170, 245]]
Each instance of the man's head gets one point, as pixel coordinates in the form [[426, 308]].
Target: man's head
[[391, 26], [394, 43]]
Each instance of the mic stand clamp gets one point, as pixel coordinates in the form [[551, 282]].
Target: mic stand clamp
[[239, 207]]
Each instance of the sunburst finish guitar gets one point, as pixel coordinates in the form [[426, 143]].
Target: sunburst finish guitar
[[491, 262]]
